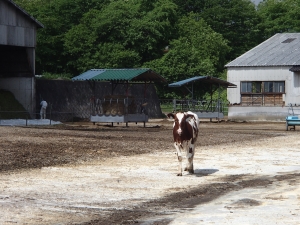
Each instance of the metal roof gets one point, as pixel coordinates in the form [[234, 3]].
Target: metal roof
[[295, 69], [39, 24], [134, 75], [279, 50], [203, 79]]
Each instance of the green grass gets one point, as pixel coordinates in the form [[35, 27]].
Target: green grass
[[10, 108], [166, 108]]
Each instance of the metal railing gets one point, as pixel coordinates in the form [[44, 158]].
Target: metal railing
[[293, 109], [117, 105], [176, 105], [114, 106]]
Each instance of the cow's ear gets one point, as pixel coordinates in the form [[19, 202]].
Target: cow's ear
[[170, 116], [189, 115]]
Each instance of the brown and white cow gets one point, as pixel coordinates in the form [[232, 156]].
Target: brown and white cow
[[185, 133]]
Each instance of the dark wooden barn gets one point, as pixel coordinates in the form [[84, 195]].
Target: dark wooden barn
[[17, 47]]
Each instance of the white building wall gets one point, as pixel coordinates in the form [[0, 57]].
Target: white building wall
[[23, 89], [261, 113], [251, 113], [294, 90], [237, 74]]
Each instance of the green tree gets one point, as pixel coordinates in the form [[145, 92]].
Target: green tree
[[58, 16], [279, 16], [198, 51], [121, 35], [236, 20]]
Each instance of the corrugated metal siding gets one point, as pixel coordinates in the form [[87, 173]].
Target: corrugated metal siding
[[142, 74], [183, 82], [120, 74], [8, 6], [17, 27], [88, 75], [272, 52], [203, 79], [295, 69]]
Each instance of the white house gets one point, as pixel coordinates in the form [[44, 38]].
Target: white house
[[267, 79]]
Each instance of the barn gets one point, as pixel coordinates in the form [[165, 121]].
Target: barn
[[17, 59], [267, 79]]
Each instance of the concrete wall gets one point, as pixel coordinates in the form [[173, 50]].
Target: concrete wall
[[75, 96], [23, 89], [262, 113]]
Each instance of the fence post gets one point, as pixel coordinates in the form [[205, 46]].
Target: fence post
[[174, 105], [50, 112]]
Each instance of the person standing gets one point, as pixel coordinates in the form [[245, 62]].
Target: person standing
[[43, 109]]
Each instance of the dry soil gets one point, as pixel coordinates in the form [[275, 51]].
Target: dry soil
[[80, 173]]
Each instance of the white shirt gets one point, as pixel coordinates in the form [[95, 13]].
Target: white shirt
[[44, 104]]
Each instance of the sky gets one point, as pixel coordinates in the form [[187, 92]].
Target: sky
[[256, 1]]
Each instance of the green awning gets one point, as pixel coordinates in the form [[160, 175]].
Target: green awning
[[134, 75], [205, 80]]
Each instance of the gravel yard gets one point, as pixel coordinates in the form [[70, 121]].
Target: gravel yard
[[80, 173]]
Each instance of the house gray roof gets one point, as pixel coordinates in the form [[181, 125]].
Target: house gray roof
[[279, 50]]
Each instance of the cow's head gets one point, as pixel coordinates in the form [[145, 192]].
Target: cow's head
[[180, 120]]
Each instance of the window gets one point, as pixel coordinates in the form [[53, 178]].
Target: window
[[262, 93], [289, 40], [274, 86], [246, 87], [268, 86], [251, 87], [256, 87], [279, 87]]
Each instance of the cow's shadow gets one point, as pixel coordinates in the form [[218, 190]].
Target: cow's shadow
[[204, 172]]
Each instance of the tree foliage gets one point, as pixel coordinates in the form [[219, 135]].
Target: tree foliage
[[128, 37], [177, 38], [279, 16], [58, 16], [236, 20], [197, 51]]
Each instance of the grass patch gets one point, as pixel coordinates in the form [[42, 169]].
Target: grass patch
[[166, 108], [10, 108]]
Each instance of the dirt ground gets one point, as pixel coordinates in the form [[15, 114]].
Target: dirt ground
[[80, 173]]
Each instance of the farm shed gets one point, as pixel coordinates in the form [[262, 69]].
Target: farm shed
[[267, 79], [203, 108], [17, 59], [116, 108]]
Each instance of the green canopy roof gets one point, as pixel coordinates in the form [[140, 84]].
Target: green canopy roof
[[134, 75], [205, 80]]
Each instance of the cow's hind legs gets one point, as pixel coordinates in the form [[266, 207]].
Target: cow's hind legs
[[190, 167], [190, 158]]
